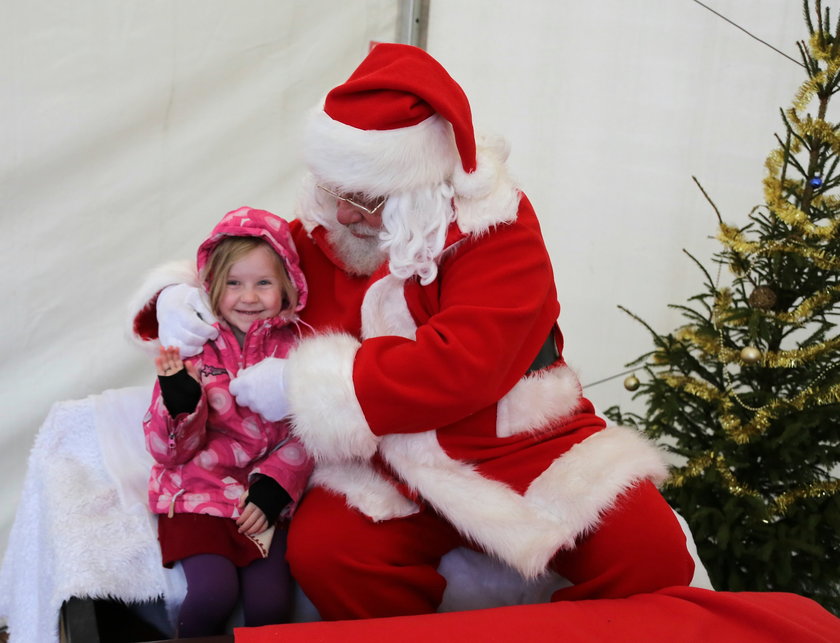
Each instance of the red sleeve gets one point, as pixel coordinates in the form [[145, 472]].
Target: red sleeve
[[145, 323], [486, 318]]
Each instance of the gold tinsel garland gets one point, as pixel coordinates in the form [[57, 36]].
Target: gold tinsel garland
[[805, 310], [762, 418], [821, 46], [815, 129], [710, 346], [734, 239], [698, 466], [776, 507], [693, 386], [707, 344], [729, 422], [824, 52], [792, 215], [821, 200], [818, 130], [799, 356], [819, 489], [808, 307]]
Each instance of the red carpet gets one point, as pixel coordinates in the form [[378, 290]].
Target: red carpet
[[676, 614]]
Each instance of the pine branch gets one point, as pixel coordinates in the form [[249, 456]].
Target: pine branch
[[712, 203], [806, 10]]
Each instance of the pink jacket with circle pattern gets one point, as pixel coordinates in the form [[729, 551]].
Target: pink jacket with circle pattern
[[206, 459]]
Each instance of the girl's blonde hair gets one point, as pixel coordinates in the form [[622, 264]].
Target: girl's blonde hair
[[228, 252]]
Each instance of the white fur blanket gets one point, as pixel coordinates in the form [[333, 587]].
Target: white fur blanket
[[83, 528], [77, 532]]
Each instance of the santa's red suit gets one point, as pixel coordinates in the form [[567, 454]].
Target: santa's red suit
[[417, 393]]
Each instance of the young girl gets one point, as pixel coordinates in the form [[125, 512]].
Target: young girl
[[223, 474]]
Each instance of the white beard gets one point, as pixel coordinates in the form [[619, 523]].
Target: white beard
[[360, 256], [415, 231], [411, 239]]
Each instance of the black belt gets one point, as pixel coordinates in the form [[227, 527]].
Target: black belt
[[548, 354]]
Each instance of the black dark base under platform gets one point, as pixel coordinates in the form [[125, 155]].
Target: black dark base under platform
[[86, 620]]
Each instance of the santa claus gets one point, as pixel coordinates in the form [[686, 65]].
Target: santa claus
[[432, 390]]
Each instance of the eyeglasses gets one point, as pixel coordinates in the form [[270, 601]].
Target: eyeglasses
[[358, 200]]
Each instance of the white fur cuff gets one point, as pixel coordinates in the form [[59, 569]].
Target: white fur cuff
[[537, 401], [364, 489], [326, 415]]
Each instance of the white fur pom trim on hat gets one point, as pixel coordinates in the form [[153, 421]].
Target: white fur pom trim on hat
[[491, 156], [326, 415], [489, 196]]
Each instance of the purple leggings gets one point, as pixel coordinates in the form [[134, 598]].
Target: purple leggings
[[214, 584]]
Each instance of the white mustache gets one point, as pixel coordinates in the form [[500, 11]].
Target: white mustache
[[363, 228]]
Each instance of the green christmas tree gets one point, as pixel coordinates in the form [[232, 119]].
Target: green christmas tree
[[746, 394]]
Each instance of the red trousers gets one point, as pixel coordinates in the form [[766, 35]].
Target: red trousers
[[351, 567]]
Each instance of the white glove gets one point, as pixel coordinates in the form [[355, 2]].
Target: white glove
[[184, 319], [262, 388]]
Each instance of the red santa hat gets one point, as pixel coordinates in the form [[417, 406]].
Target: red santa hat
[[399, 123]]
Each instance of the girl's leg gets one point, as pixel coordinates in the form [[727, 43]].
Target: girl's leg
[[212, 592], [639, 547], [351, 567], [267, 586]]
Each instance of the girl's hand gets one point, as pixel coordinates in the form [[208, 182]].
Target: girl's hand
[[169, 362], [252, 520]]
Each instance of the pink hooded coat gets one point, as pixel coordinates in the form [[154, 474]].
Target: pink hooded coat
[[205, 460]]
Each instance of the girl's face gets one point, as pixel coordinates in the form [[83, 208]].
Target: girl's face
[[252, 289]]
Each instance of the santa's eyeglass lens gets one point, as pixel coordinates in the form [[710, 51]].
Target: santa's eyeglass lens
[[357, 200]]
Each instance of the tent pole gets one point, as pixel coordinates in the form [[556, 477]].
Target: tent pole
[[413, 22]]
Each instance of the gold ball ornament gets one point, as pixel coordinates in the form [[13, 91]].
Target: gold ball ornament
[[763, 298], [750, 355], [631, 382]]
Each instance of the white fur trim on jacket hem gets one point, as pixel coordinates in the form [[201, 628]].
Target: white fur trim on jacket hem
[[168, 274], [537, 400], [364, 489], [326, 415], [567, 500], [584, 483]]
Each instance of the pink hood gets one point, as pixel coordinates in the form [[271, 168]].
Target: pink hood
[[248, 222]]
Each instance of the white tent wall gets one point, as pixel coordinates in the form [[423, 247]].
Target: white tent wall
[[129, 128], [610, 108]]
